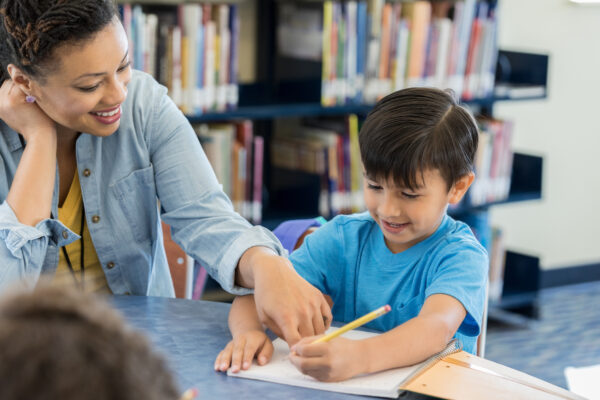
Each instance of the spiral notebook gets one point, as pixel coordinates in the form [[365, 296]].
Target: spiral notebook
[[382, 384]]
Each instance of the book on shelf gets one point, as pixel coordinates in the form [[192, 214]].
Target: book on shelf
[[236, 156], [461, 35], [480, 67], [327, 147], [258, 154], [419, 17], [493, 162], [371, 48], [299, 31], [497, 258], [192, 49], [232, 95]]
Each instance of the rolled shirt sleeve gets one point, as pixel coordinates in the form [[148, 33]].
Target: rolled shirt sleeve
[[23, 247]]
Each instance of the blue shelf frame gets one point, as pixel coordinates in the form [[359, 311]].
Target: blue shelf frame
[[282, 110]]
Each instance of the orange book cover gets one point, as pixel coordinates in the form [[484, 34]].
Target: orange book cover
[[419, 14], [384, 59]]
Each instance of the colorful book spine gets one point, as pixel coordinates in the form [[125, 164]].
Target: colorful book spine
[[232, 84], [257, 180], [192, 49], [326, 84], [373, 47], [361, 50]]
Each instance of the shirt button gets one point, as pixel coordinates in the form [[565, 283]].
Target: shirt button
[[110, 265], [95, 219], [65, 234], [87, 172]]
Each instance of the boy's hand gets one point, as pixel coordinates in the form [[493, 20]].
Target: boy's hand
[[332, 361], [240, 351]]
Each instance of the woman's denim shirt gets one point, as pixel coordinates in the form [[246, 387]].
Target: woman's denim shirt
[[151, 168]]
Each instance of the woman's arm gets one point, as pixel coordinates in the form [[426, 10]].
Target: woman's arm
[[30, 194], [204, 223], [25, 227], [285, 302]]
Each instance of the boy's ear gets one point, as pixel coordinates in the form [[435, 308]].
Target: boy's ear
[[20, 78], [460, 187]]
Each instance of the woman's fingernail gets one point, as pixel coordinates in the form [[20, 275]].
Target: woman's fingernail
[[223, 366], [246, 365], [262, 360]]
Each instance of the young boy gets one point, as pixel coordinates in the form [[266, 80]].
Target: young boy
[[417, 147], [59, 343]]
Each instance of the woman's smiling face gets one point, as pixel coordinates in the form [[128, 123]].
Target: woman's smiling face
[[88, 83]]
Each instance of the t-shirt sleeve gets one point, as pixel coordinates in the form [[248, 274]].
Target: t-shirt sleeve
[[319, 253], [462, 273]]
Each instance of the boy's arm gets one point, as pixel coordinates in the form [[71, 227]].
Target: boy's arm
[[418, 338], [249, 338], [407, 344], [243, 316]]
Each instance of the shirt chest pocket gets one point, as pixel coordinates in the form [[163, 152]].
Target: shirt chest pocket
[[136, 194], [405, 310]]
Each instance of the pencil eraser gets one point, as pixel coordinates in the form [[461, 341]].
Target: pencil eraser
[[387, 308]]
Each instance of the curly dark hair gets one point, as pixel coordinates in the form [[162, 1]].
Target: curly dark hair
[[30, 30], [59, 343]]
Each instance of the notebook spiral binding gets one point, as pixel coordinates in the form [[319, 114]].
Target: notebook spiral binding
[[453, 346]]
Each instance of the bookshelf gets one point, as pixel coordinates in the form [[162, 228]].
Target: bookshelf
[[270, 110], [287, 88]]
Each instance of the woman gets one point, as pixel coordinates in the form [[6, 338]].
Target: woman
[[89, 146]]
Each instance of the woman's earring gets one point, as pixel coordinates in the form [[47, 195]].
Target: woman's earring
[[30, 99]]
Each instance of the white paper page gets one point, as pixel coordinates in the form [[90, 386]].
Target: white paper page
[[584, 381], [281, 370]]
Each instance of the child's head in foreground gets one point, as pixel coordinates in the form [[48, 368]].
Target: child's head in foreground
[[417, 147], [64, 344]]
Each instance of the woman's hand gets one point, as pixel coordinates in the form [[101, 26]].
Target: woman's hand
[[332, 361], [28, 119], [240, 351], [287, 304]]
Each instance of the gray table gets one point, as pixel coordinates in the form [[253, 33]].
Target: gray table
[[190, 333]]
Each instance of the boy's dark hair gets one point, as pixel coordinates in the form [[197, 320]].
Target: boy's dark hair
[[64, 344], [416, 129], [30, 30]]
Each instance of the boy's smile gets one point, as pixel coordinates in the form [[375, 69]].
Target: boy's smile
[[393, 227], [407, 217]]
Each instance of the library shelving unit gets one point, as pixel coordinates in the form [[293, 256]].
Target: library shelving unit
[[291, 88]]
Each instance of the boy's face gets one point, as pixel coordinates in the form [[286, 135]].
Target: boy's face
[[406, 217]]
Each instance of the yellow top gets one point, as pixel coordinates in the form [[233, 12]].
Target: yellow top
[[70, 215]]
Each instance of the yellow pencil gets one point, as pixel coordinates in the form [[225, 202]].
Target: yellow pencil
[[189, 394], [355, 324]]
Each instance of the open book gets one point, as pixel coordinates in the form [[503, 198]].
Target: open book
[[382, 384]]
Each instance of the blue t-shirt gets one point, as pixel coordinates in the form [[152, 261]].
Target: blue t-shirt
[[348, 260]]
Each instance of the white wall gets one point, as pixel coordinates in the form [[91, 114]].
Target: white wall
[[563, 228]]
